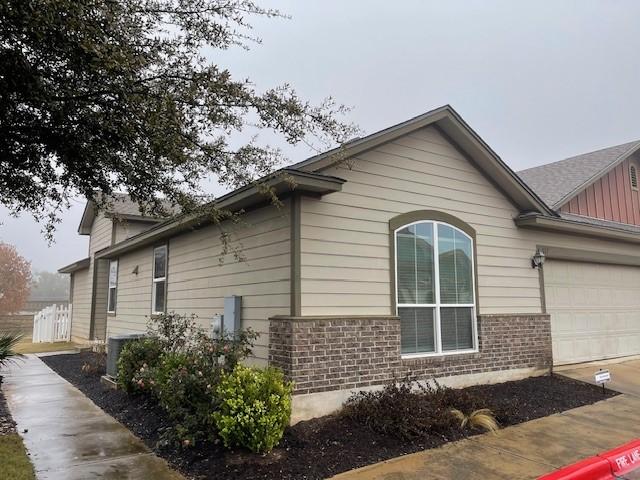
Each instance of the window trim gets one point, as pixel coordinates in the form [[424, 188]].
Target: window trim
[[436, 218], [155, 280], [115, 287], [632, 167]]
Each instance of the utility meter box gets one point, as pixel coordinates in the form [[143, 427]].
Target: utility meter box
[[232, 310]]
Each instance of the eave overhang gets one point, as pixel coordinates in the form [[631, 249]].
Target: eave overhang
[[75, 266], [574, 227], [283, 183]]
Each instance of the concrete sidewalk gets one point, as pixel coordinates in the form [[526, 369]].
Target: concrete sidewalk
[[67, 436], [625, 374], [523, 451]]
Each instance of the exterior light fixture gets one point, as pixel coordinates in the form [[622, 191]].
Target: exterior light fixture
[[538, 259]]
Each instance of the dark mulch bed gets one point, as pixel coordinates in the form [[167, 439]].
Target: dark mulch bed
[[322, 447], [7, 425]]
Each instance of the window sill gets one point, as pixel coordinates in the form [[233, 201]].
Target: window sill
[[441, 356], [111, 314]]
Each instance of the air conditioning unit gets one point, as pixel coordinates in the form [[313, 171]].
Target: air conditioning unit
[[114, 347]]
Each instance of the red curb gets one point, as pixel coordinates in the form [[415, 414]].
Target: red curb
[[593, 468], [604, 466], [623, 459]]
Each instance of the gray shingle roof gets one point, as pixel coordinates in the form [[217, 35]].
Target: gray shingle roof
[[554, 181], [121, 204]]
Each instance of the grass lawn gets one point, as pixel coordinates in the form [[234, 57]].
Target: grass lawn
[[15, 462], [26, 346]]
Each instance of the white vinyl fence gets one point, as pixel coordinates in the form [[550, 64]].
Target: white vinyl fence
[[52, 324]]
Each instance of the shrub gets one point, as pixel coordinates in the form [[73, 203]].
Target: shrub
[[185, 388], [174, 331], [225, 351], [409, 413], [184, 383], [8, 342], [255, 408], [482, 418], [137, 356], [97, 364]]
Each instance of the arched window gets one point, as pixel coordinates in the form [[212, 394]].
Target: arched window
[[435, 288], [633, 175]]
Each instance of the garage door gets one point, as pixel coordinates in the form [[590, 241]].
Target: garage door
[[595, 310]]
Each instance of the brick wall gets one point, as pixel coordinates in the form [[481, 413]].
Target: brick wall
[[331, 353]]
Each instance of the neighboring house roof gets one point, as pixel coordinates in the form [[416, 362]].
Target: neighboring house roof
[[558, 182], [75, 266], [120, 206]]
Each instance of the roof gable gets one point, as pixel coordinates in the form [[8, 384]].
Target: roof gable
[[118, 205], [451, 124], [558, 182], [611, 197]]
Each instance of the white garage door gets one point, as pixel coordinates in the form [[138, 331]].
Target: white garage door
[[595, 310]]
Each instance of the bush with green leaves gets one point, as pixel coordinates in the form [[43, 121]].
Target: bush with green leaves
[[8, 342], [176, 332], [181, 367], [184, 385], [254, 409], [136, 359]]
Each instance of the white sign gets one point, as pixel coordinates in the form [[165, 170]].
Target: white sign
[[603, 376]]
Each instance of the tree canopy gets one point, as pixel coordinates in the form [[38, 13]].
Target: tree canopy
[[15, 279], [119, 95]]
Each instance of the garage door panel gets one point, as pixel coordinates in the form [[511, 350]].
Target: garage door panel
[[595, 310]]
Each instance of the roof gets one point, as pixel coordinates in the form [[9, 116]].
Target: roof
[[119, 205], [581, 225], [558, 182], [281, 182], [307, 175], [75, 266], [451, 124]]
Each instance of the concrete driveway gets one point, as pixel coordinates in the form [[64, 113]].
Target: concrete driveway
[[625, 374]]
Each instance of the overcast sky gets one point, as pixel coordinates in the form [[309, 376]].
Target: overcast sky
[[539, 81]]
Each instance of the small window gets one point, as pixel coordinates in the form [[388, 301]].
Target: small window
[[159, 292], [113, 286], [633, 175], [435, 289]]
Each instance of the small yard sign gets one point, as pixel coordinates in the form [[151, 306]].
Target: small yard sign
[[602, 377]]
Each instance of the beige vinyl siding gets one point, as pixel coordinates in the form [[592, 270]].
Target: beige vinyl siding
[[100, 238], [102, 287], [198, 281], [345, 265], [80, 304], [134, 293], [345, 235], [129, 228]]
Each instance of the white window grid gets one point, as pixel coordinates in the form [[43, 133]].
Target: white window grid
[[156, 280], [113, 287], [437, 305]]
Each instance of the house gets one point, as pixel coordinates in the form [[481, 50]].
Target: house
[[413, 250], [89, 285]]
